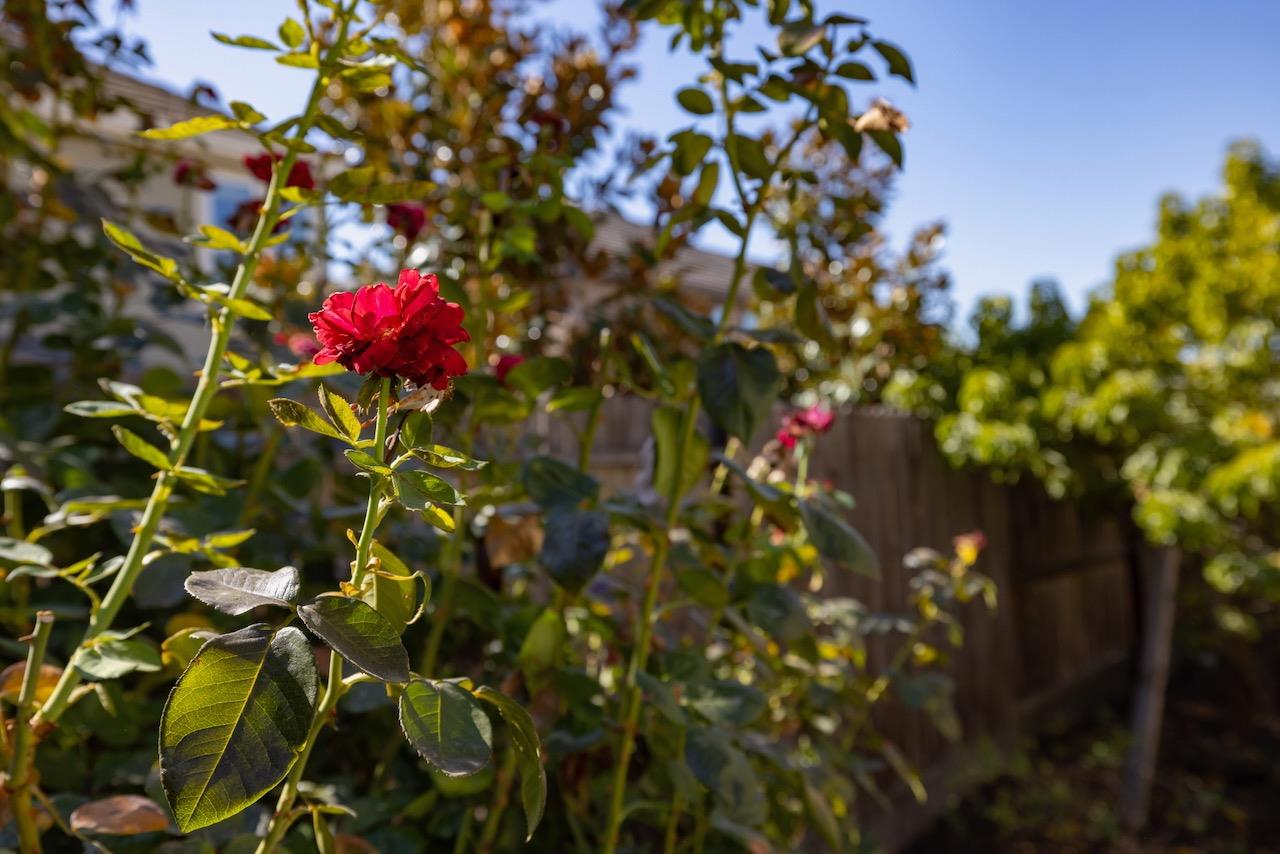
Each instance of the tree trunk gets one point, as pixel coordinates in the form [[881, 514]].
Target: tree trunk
[[1161, 572]]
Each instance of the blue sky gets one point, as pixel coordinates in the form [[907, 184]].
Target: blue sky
[[1043, 133]]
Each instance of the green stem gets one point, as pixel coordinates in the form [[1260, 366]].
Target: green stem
[[501, 796], [13, 513], [677, 807], [24, 748], [644, 622], [334, 688], [464, 832], [261, 470], [207, 387], [365, 543]]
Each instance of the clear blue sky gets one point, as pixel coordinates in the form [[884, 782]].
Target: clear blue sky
[[1043, 132]]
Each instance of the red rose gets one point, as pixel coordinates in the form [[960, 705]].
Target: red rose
[[816, 419], [406, 218], [261, 165], [506, 363], [407, 331], [804, 422], [190, 173], [303, 345]]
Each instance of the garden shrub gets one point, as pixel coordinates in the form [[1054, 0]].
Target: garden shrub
[[441, 635]]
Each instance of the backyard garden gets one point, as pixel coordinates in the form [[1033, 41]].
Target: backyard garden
[[436, 468]]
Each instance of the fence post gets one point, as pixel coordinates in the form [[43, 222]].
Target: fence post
[[1148, 703]]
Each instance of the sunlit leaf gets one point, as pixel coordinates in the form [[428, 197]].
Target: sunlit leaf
[[234, 722]]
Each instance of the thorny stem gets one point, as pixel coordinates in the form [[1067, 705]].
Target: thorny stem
[[644, 632], [19, 782], [207, 387], [335, 687]]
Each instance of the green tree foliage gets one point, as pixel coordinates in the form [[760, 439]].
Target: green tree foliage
[[1164, 394]]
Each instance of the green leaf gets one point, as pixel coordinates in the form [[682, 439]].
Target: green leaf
[[191, 127], [114, 657], [668, 462], [99, 409], [836, 539], [541, 645], [447, 458], [779, 611], [358, 633], [696, 101], [738, 387], [302, 59], [811, 315], [573, 399], [727, 772], [291, 33], [141, 448], [697, 325], [748, 153], [132, 246], [240, 589], [551, 483], [446, 726], [690, 150], [725, 702], [659, 693], [205, 481], [15, 551], [367, 462], [574, 545], [855, 71], [899, 65], [889, 144], [391, 598], [799, 37], [235, 721], [290, 413], [246, 112], [703, 586], [213, 237], [252, 42], [707, 183], [536, 375], [496, 201], [418, 490], [339, 412], [524, 735]]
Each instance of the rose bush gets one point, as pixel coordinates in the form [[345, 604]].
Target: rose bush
[[651, 669]]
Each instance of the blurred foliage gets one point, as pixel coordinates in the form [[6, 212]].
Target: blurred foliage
[[688, 677], [1164, 394]]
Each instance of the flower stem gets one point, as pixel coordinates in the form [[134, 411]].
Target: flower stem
[[207, 387], [19, 782], [631, 703], [334, 688]]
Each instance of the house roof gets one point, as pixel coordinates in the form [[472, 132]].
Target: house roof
[[708, 273]]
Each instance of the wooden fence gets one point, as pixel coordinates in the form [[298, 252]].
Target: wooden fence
[[1065, 625]]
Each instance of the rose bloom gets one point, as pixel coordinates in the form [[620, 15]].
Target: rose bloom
[[299, 176], [407, 331], [506, 363], [406, 218], [188, 172], [804, 422]]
